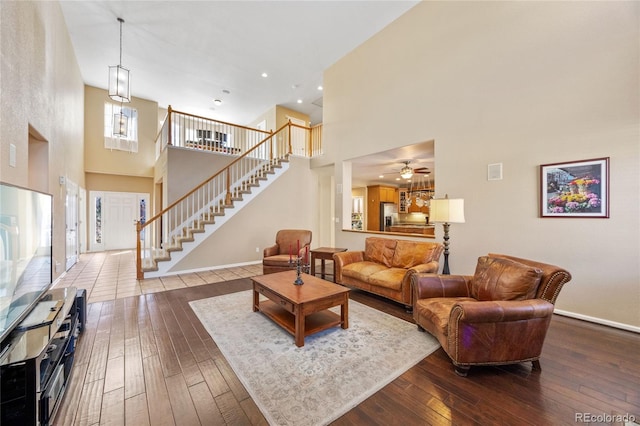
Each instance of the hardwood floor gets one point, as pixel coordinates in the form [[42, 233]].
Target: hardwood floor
[[147, 360]]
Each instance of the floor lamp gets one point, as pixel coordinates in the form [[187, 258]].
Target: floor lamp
[[446, 211]]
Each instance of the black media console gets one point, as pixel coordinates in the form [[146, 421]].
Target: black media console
[[36, 366]]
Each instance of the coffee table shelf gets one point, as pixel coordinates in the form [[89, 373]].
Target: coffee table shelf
[[313, 323]]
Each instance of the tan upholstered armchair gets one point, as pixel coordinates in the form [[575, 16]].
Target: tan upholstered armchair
[[276, 257], [500, 315]]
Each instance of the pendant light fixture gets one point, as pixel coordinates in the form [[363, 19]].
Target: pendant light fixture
[[119, 77], [120, 123]]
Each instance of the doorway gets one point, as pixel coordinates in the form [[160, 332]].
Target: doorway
[[113, 219]]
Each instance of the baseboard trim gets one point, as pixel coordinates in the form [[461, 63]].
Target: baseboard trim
[[600, 321]]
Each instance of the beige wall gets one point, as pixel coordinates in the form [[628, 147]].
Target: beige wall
[[518, 83], [98, 159], [283, 114], [288, 203], [118, 183], [186, 168], [41, 86]]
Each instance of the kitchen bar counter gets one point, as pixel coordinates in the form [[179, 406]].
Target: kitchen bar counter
[[413, 229]]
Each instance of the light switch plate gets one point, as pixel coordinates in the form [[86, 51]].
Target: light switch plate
[[494, 171]]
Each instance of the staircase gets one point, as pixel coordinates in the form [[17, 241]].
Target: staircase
[[170, 235]]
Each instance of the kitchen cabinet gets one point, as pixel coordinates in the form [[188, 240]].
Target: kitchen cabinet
[[375, 195], [403, 195]]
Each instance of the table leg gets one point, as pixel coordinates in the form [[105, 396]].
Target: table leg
[[256, 299], [299, 327], [322, 268], [344, 313], [313, 264]]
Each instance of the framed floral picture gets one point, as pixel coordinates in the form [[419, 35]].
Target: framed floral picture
[[575, 189]]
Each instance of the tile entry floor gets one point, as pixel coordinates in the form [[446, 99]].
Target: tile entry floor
[[112, 275]]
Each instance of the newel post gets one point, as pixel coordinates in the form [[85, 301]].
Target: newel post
[[139, 273]]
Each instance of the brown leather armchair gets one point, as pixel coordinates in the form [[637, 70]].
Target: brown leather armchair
[[500, 315], [276, 257]]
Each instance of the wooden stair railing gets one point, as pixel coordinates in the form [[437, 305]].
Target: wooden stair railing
[[166, 231]]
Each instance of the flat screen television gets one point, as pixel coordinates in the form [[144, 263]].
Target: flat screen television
[[25, 253]]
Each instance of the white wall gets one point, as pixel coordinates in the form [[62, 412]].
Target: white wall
[[518, 83], [41, 86]]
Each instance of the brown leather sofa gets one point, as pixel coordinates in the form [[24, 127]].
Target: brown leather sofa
[[385, 266], [276, 258], [500, 315]]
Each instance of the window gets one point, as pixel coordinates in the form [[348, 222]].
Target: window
[[124, 143]]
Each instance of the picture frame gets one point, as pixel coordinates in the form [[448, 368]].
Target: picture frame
[[575, 189]]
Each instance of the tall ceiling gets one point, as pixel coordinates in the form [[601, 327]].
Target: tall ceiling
[[188, 53]]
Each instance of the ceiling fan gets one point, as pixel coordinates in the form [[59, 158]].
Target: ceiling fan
[[407, 172]]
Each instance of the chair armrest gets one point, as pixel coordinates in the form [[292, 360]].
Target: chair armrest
[[433, 285], [343, 259], [431, 267], [271, 251], [500, 311]]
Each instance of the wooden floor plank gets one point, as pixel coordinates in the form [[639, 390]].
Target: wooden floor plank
[[134, 371], [90, 403], [585, 368], [214, 378], [231, 411], [116, 340], [147, 338], [206, 406], [166, 351], [114, 377], [157, 396], [181, 402], [136, 411], [112, 411], [69, 408]]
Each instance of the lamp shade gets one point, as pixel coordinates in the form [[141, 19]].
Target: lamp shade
[[446, 210], [119, 84]]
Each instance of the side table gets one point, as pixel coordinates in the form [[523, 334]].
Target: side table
[[324, 253]]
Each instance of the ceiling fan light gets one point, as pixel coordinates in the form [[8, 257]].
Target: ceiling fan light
[[406, 172]]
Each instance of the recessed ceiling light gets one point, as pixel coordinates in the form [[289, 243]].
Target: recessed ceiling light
[[265, 75], [217, 101], [320, 87], [397, 178], [299, 101], [381, 176]]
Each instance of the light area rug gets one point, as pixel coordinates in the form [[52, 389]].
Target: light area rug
[[334, 371]]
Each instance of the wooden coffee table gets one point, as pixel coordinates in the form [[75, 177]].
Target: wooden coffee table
[[300, 309]]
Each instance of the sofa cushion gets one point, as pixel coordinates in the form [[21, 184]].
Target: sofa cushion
[[504, 279], [379, 250], [388, 278], [412, 253], [362, 270]]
